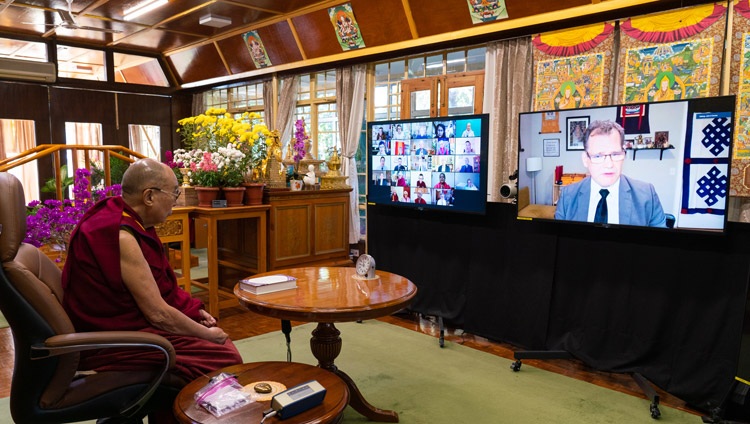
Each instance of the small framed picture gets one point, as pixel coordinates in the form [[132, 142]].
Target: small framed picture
[[551, 147], [661, 139], [575, 128]]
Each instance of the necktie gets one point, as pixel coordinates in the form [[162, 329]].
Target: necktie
[[601, 209]]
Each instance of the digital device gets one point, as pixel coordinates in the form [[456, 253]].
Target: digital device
[[429, 163], [298, 399], [677, 160]]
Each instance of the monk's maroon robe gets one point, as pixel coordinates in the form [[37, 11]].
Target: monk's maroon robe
[[96, 298]]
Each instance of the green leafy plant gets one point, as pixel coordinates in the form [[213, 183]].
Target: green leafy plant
[[50, 185]]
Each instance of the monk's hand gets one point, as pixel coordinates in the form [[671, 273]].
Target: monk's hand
[[217, 335], [206, 319]]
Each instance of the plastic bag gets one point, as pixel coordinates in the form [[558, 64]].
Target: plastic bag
[[223, 394]]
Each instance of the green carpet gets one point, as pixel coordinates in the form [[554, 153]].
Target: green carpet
[[408, 372]]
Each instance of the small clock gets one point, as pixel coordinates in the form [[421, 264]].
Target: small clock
[[366, 266]]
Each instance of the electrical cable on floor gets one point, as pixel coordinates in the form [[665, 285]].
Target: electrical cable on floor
[[286, 328]]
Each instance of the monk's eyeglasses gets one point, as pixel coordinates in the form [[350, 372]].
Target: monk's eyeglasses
[[175, 194]]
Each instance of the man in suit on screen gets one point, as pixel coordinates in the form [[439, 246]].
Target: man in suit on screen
[[606, 196]]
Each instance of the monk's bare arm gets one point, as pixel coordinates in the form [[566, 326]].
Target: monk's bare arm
[[137, 277]]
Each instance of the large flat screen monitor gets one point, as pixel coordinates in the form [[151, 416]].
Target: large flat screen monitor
[[670, 169], [429, 163]]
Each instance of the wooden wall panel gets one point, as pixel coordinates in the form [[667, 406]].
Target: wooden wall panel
[[236, 54], [454, 15], [316, 34], [431, 19], [131, 110], [523, 8], [381, 22], [284, 47], [197, 64]]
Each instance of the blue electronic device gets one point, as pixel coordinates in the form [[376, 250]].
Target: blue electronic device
[[298, 399]]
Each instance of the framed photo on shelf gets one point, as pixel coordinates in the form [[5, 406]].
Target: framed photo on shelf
[[551, 147], [574, 129], [661, 139]]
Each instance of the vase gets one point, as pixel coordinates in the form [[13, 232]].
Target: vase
[[253, 193], [295, 185], [234, 195], [206, 196]]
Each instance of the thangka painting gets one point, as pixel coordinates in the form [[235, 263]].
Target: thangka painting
[[257, 50], [672, 55], [487, 10], [740, 86], [572, 67], [671, 71], [347, 28]]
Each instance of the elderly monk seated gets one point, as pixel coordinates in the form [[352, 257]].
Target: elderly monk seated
[[117, 277]]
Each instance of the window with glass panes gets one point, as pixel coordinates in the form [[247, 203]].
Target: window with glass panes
[[237, 100], [386, 96], [316, 104]]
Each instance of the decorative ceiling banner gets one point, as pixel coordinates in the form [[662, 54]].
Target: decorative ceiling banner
[[672, 55], [347, 28], [257, 50], [487, 10], [572, 67], [740, 86]]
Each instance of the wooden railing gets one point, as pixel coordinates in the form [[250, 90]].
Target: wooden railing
[[55, 150]]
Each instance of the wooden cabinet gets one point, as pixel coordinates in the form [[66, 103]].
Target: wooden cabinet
[[308, 228]]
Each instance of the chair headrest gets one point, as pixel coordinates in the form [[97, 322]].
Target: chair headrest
[[12, 216]]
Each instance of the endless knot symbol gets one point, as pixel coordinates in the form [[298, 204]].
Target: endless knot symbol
[[712, 186], [716, 136]]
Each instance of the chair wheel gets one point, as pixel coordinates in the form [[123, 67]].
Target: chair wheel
[[516, 366]]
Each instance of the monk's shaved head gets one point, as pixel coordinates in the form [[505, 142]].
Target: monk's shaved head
[[142, 174]]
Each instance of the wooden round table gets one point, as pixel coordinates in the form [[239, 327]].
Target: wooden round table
[[334, 294], [288, 373]]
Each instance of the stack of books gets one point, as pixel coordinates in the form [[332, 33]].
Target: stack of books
[[268, 284]]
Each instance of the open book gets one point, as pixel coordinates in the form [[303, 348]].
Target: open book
[[268, 284]]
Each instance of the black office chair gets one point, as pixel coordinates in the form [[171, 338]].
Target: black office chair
[[47, 387]]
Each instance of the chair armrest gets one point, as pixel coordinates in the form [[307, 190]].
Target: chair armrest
[[78, 342]]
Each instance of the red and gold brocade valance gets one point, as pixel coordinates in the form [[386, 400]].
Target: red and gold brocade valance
[[672, 26], [574, 41], [743, 8]]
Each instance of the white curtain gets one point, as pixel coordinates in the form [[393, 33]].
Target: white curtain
[[287, 105], [507, 92], [16, 137], [350, 102]]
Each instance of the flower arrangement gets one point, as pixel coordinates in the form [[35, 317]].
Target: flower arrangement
[[240, 143], [225, 167], [51, 222], [300, 138]]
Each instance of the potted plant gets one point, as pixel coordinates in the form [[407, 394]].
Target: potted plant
[[205, 174], [232, 171], [49, 224]]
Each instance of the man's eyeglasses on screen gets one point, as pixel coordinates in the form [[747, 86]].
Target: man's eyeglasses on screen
[[600, 158]]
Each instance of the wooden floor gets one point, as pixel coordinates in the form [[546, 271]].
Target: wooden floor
[[239, 324]]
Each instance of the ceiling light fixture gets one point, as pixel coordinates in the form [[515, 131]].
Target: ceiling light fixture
[[215, 21], [142, 8]]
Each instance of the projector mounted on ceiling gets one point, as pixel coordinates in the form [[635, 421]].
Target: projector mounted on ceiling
[[215, 21]]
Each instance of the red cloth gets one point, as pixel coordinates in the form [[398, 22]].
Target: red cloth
[[96, 298]]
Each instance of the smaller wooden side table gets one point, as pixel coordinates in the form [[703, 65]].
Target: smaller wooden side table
[[288, 373]]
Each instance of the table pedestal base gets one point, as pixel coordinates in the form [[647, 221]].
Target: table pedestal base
[[326, 346]]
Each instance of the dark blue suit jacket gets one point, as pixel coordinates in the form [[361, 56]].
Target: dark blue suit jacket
[[639, 204]]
